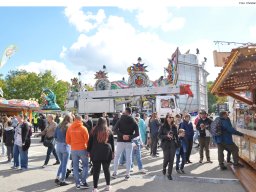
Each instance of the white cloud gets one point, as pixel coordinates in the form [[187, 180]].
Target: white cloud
[[175, 24], [58, 69], [84, 22], [117, 45], [159, 17], [252, 31]]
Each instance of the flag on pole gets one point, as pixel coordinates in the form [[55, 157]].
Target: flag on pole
[[8, 52]]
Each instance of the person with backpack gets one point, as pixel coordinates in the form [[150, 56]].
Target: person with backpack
[[63, 149], [8, 139], [203, 126], [22, 143], [222, 134], [101, 149]]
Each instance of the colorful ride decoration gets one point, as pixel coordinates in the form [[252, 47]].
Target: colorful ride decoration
[[18, 103], [138, 76], [49, 100], [102, 82], [75, 85], [119, 85]]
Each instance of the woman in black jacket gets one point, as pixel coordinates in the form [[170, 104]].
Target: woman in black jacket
[[168, 134], [101, 150]]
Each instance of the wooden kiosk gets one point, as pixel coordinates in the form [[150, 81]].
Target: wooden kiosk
[[237, 80]]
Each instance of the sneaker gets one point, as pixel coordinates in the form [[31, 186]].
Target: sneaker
[[114, 175], [78, 186], [238, 165], [95, 190], [189, 161], [131, 170], [169, 177], [201, 161], [208, 161], [57, 181], [43, 166], [56, 163], [84, 185], [143, 171], [182, 171], [107, 188], [127, 177], [63, 183], [223, 167], [13, 167], [178, 171]]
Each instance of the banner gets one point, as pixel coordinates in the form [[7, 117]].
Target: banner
[[220, 58]]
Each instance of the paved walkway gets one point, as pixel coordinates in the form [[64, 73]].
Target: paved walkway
[[203, 177]]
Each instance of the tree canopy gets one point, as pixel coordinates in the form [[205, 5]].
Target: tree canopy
[[213, 100], [20, 84]]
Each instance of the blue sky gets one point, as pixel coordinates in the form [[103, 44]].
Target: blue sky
[[69, 40]]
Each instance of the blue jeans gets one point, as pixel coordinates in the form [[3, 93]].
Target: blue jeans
[[196, 136], [137, 153], [181, 155], [120, 147], [51, 149], [23, 155], [76, 156], [63, 152]]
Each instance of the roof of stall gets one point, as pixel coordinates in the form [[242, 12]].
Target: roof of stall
[[18, 104], [239, 72]]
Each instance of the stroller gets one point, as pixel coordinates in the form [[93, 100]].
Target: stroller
[[80, 169]]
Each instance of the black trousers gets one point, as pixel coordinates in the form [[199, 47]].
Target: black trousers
[[232, 148], [189, 149], [154, 141], [96, 172], [169, 154]]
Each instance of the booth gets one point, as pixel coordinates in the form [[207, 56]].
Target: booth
[[18, 106], [237, 79]]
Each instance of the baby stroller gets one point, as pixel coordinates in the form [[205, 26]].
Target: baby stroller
[[70, 168]]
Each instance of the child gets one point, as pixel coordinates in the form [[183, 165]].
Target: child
[[8, 139], [181, 152]]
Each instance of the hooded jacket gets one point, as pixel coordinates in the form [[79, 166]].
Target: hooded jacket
[[126, 125], [77, 136]]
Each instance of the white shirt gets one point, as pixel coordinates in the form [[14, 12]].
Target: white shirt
[[17, 137]]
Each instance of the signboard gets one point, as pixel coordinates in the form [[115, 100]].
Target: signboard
[[220, 58]]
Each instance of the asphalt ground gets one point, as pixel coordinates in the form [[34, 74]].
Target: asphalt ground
[[199, 177]]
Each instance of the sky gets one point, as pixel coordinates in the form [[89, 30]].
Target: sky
[[69, 39]]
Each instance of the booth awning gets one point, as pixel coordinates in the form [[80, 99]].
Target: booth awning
[[238, 74]]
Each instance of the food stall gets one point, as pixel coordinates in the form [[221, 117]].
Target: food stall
[[18, 106], [237, 80]]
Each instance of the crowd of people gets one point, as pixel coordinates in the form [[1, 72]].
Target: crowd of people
[[75, 137]]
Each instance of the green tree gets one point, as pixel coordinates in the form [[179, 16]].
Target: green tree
[[21, 84], [61, 89], [213, 100]]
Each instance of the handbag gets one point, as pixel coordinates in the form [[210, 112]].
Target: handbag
[[48, 141]]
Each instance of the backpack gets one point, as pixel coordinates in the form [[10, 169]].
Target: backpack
[[216, 126]]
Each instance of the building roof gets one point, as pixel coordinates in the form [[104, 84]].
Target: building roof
[[239, 72]]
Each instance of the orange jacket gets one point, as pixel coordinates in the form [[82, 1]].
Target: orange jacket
[[77, 136]]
